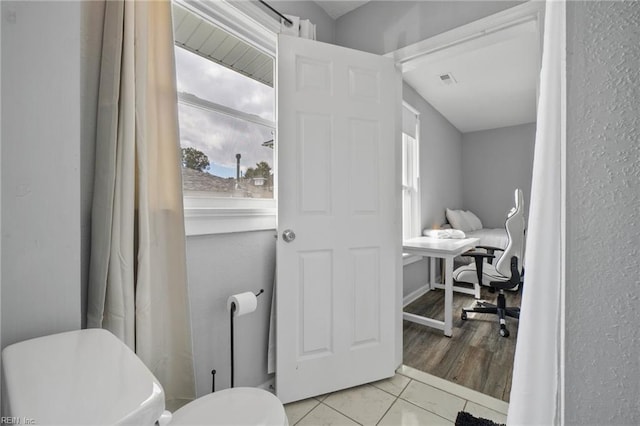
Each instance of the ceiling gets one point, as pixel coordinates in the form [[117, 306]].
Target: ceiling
[[494, 75], [336, 9], [494, 79]]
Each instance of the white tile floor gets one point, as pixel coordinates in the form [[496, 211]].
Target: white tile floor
[[411, 397]]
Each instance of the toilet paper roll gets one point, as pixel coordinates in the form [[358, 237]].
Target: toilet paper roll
[[245, 303]]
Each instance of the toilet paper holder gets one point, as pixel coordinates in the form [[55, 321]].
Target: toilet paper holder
[[232, 310]]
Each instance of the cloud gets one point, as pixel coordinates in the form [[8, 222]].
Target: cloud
[[218, 84], [220, 136]]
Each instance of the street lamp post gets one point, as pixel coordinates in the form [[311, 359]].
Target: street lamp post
[[238, 156]]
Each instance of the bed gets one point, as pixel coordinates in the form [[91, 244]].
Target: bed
[[471, 225]]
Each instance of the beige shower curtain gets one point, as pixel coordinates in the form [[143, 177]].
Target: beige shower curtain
[[137, 286]]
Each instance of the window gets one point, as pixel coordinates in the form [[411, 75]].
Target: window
[[411, 220], [226, 110], [410, 189]]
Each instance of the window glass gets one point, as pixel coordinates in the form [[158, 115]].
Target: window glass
[[225, 152], [216, 83], [231, 145], [410, 191]]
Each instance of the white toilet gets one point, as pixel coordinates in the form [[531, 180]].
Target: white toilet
[[89, 377]]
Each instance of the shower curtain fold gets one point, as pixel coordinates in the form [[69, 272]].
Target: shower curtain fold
[[137, 284]]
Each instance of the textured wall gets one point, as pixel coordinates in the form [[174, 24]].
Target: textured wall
[[494, 163], [603, 223]]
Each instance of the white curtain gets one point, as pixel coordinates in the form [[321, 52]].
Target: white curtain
[[537, 377], [138, 287]]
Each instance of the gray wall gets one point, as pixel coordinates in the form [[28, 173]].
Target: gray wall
[[325, 25], [40, 169], [440, 161], [384, 26], [603, 215], [219, 266], [414, 276], [494, 163], [440, 180]]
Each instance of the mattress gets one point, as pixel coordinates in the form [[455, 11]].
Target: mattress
[[495, 237]]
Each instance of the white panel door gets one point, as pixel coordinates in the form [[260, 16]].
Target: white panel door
[[339, 281]]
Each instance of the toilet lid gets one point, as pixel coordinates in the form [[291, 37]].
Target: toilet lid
[[236, 406]]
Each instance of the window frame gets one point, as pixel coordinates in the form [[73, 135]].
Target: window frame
[[416, 218], [204, 214]]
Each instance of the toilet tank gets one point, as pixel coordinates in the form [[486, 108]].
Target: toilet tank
[[82, 377]]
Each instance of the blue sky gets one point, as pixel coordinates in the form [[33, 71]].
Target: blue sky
[[222, 171]]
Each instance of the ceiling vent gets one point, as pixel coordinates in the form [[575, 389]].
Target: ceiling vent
[[447, 79]]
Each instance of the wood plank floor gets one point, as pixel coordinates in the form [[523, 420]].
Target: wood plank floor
[[476, 356]]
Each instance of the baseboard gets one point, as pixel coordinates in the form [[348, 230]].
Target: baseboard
[[414, 295]]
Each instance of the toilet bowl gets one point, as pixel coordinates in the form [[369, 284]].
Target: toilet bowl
[[236, 406], [90, 377]]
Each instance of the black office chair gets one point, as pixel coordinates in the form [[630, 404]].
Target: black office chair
[[505, 274]]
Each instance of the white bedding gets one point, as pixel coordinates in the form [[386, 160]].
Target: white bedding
[[495, 237]]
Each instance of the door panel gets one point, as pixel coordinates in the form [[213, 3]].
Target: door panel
[[338, 149]]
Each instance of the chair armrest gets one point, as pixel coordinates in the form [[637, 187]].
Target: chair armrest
[[491, 248], [478, 255]]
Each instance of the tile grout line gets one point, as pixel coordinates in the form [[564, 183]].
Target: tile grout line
[[397, 397], [428, 411], [313, 408], [457, 396], [466, 401], [341, 413], [385, 413]]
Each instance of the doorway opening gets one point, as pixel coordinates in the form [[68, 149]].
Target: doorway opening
[[483, 79]]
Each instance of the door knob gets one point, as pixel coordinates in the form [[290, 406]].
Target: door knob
[[288, 235]]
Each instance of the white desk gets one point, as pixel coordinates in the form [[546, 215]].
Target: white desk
[[445, 249]]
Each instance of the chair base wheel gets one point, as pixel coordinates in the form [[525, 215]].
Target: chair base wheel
[[504, 332], [463, 316]]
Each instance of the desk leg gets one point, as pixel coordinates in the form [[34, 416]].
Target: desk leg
[[432, 272], [448, 297]]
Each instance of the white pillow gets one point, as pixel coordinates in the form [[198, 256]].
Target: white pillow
[[473, 220], [457, 220]]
